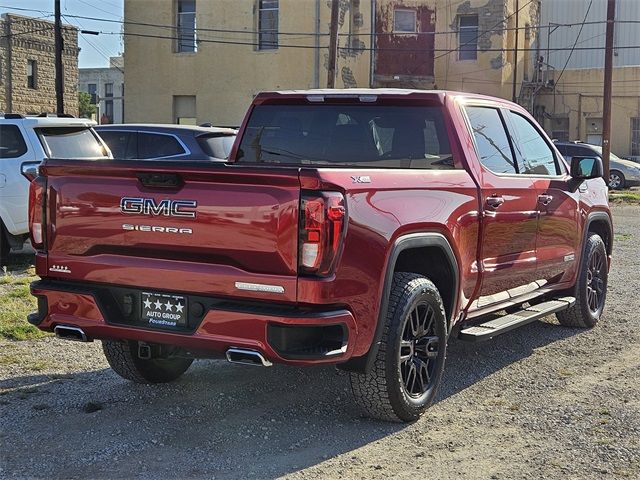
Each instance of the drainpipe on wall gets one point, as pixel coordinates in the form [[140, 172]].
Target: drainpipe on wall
[[372, 51], [316, 60]]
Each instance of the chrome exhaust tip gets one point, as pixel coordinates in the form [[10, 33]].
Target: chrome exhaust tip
[[75, 334], [247, 357]]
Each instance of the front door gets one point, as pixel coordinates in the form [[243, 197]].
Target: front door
[[510, 212]]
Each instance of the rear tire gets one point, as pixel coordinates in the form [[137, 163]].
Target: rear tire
[[5, 248], [123, 358], [409, 363], [591, 287]]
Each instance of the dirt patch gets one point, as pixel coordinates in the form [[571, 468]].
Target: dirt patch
[[543, 401]]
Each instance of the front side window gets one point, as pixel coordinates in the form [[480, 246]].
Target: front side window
[[268, 24], [71, 143], [468, 37], [12, 143], [404, 21], [492, 142], [186, 26], [153, 145], [32, 71], [347, 135], [533, 154]]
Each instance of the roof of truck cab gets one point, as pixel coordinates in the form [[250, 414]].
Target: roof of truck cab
[[387, 92]]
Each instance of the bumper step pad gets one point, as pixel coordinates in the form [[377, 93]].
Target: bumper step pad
[[505, 323]]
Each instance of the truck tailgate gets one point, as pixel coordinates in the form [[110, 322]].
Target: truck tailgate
[[209, 229]]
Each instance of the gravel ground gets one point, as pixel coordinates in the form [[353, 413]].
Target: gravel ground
[[540, 402]]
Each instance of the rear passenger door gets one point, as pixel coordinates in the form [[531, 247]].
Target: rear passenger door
[[510, 214], [558, 239], [14, 187], [153, 145], [122, 143]]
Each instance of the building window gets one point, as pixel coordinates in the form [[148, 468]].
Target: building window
[[108, 104], [404, 21], [635, 136], [93, 91], [32, 72], [268, 25], [184, 110], [560, 129], [468, 37], [186, 26]]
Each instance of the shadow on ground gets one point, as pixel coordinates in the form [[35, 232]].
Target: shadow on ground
[[225, 420]]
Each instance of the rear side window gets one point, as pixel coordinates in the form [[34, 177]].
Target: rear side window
[[122, 144], [218, 146], [155, 145], [533, 154], [71, 142], [347, 135], [492, 143], [12, 144]]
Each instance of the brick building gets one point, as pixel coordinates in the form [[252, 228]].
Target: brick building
[[27, 66]]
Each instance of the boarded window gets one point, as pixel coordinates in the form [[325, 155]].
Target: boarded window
[[268, 25], [404, 21], [184, 109], [468, 37], [186, 26]]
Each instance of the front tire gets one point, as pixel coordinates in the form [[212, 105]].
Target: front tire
[[409, 363], [591, 287], [616, 180], [123, 358]]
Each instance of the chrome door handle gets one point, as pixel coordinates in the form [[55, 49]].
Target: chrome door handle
[[545, 199], [494, 201]]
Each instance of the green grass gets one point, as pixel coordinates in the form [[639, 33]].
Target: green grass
[[624, 197], [16, 303]]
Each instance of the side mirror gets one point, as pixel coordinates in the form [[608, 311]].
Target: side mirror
[[584, 168]]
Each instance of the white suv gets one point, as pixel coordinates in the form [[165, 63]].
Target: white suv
[[24, 143]]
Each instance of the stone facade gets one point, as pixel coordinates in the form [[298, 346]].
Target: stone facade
[[24, 39]]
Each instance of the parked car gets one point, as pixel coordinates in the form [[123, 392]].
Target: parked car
[[167, 142], [24, 142], [622, 173], [633, 158], [362, 228]]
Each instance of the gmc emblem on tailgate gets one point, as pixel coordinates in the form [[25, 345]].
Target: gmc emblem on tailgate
[[166, 207]]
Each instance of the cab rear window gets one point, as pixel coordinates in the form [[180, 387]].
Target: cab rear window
[[347, 135], [71, 143]]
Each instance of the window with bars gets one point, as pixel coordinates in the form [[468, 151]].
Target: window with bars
[[186, 26], [268, 24], [32, 71], [468, 37], [635, 136]]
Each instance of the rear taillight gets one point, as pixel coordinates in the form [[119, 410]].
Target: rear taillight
[[37, 216], [322, 227]]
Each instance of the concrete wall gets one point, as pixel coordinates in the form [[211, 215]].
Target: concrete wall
[[24, 39], [578, 97], [224, 77], [492, 73]]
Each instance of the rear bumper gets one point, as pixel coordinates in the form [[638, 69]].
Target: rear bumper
[[283, 334]]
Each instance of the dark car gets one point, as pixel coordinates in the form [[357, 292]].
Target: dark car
[[170, 142], [622, 173]]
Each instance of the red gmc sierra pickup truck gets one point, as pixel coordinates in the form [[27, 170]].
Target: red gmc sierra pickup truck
[[361, 228]]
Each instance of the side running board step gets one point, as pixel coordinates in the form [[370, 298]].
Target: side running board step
[[506, 323]]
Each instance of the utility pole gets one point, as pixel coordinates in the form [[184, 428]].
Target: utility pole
[[59, 72], [608, 74], [515, 57], [333, 44]]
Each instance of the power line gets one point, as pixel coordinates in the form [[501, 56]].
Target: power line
[[574, 43]]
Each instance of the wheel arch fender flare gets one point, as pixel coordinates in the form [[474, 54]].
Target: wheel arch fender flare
[[592, 218], [402, 243]]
